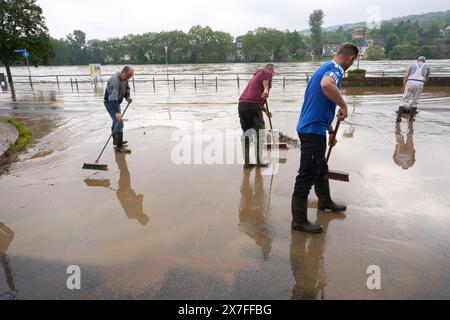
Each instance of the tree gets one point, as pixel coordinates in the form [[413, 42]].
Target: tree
[[404, 52], [315, 25], [375, 53], [77, 41], [391, 41], [22, 26]]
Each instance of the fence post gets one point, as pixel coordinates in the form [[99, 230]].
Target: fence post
[[307, 77], [57, 81], [202, 78], [174, 86], [76, 83], [216, 84], [71, 83], [154, 86], [134, 85], [284, 83], [195, 83], [238, 84]]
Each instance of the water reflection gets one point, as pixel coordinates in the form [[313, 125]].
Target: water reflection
[[132, 203], [6, 237], [254, 208], [404, 154], [307, 261]]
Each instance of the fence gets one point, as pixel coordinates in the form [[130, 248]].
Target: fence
[[172, 80]]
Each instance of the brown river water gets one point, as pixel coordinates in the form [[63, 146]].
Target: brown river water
[[151, 228]]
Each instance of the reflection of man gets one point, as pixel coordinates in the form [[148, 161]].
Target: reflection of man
[[253, 211], [132, 203], [307, 262], [405, 154], [414, 80], [6, 237]]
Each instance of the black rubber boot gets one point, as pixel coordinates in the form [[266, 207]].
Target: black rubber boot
[[412, 114], [322, 189], [115, 139], [300, 221], [400, 113], [120, 147]]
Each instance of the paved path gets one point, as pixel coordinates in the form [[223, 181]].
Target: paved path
[[8, 135]]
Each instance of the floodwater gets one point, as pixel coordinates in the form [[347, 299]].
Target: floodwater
[[152, 228]]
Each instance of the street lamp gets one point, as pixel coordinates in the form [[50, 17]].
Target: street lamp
[[166, 48]]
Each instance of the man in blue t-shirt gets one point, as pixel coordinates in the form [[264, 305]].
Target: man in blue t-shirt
[[318, 112]]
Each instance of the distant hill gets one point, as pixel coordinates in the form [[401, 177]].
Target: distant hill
[[442, 17]]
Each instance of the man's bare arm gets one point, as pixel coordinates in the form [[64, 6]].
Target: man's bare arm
[[331, 90]]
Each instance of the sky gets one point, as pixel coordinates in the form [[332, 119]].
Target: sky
[[103, 19]]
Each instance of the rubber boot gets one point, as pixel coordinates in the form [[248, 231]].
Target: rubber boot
[[115, 139], [412, 115], [400, 113], [322, 189], [120, 147], [300, 221]]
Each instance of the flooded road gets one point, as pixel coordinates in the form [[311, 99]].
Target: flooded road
[[152, 228]]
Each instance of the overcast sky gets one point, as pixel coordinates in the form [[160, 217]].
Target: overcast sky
[[102, 19]]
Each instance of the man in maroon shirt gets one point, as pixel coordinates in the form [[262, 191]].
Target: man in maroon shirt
[[251, 106]]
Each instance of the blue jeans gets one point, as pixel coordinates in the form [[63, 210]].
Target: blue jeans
[[112, 114]]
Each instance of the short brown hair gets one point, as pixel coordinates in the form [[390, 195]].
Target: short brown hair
[[348, 49], [270, 66]]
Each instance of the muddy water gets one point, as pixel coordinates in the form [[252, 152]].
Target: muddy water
[[150, 228]]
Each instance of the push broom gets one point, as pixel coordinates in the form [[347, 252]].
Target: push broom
[[332, 174], [96, 165]]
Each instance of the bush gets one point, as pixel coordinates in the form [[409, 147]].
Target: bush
[[404, 52]]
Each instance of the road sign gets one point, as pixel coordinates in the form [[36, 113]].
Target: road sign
[[26, 54]]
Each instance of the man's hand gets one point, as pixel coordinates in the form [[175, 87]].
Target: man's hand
[[129, 100], [265, 95], [332, 141], [342, 113], [269, 114], [118, 117]]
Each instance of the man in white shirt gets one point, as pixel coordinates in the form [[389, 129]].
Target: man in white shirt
[[415, 78]]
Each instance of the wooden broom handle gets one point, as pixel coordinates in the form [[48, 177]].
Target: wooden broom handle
[[333, 137]]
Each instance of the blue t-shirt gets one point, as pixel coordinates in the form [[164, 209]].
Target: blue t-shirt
[[318, 111]]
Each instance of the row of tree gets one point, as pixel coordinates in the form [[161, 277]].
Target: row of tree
[[22, 25]]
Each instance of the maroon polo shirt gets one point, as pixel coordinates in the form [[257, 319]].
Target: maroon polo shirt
[[255, 88]]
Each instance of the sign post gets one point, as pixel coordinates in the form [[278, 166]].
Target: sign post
[[359, 34], [26, 55]]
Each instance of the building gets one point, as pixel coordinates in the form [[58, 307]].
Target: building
[[330, 50], [446, 31], [239, 49]]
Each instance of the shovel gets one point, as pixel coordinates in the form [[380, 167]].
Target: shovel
[[332, 174], [272, 145]]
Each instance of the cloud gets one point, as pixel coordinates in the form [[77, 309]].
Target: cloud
[[102, 19]]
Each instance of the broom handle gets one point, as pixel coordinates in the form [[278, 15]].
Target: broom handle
[[114, 130], [270, 121], [333, 137]]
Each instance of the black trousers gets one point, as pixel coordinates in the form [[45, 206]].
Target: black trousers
[[253, 126], [313, 166]]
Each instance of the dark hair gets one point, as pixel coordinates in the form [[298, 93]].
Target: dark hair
[[348, 49], [270, 66], [127, 69]]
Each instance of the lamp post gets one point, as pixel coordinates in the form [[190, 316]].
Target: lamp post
[[166, 48]]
